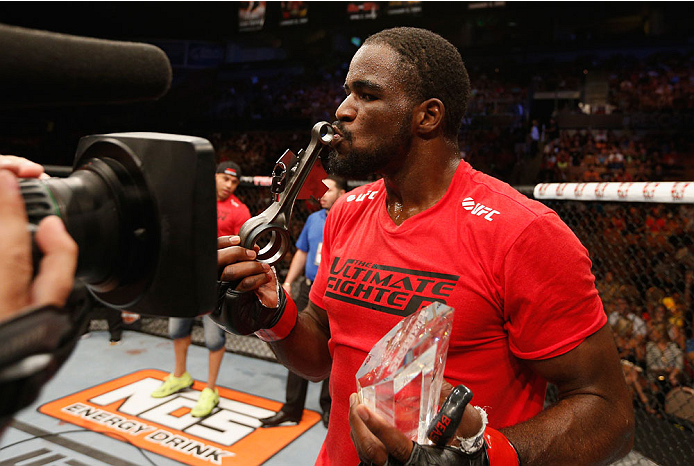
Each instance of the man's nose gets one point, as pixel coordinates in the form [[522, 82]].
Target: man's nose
[[346, 111]]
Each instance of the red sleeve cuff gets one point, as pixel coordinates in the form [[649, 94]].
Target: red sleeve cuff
[[283, 327], [500, 450]]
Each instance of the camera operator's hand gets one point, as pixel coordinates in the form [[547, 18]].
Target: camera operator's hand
[[22, 167], [55, 277]]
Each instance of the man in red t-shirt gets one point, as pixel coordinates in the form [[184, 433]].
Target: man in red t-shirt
[[231, 214], [435, 229]]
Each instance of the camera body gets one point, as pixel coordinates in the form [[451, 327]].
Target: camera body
[[142, 209]]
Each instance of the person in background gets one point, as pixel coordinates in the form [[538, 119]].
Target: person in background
[[534, 138], [231, 214], [664, 361], [305, 261], [623, 308], [591, 174]]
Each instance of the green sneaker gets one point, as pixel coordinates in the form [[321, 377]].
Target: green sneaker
[[206, 403], [172, 385]]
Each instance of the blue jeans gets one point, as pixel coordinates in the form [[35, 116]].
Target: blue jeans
[[180, 327]]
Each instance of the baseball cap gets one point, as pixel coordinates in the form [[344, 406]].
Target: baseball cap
[[230, 168]]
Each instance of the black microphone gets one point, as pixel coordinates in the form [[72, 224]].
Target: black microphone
[[40, 68]]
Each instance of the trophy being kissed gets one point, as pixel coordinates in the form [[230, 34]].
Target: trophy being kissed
[[401, 377]]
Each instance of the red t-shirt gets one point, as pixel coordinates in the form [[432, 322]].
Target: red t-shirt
[[518, 278], [231, 214]]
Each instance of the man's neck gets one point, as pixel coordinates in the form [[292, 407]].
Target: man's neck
[[420, 182]]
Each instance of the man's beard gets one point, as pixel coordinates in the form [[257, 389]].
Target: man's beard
[[359, 163]]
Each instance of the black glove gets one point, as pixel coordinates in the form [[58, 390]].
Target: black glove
[[429, 455], [443, 428], [242, 313]]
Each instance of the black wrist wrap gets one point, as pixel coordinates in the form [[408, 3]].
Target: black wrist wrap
[[242, 312], [429, 455]]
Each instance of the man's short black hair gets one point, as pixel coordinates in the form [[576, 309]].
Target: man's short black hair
[[340, 183], [438, 68]]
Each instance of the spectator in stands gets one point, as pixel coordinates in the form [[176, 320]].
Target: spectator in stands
[[657, 316], [534, 138], [591, 174], [632, 355], [552, 130], [664, 361], [615, 159], [658, 173], [689, 325], [630, 347], [624, 309], [689, 359], [641, 173], [622, 175], [656, 221], [608, 287], [669, 316], [548, 168], [563, 162]]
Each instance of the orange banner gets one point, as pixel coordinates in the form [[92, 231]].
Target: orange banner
[[230, 435]]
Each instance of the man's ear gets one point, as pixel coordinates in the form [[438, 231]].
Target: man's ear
[[428, 118]]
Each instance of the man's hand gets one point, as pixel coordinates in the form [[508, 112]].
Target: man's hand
[[267, 312], [55, 276], [375, 439], [238, 264]]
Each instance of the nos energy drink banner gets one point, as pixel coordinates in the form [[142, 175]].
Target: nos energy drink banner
[[230, 435]]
